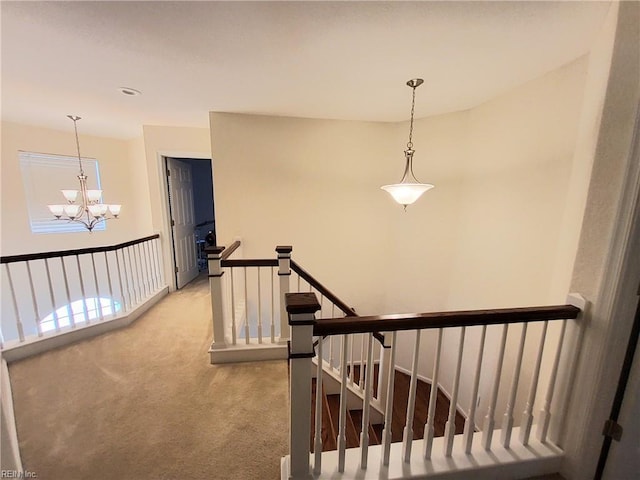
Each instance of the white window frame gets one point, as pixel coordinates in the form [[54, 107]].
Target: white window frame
[[60, 172]]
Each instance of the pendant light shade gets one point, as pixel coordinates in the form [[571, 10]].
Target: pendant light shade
[[410, 188]]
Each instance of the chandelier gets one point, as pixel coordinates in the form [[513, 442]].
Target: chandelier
[[83, 206], [409, 189]]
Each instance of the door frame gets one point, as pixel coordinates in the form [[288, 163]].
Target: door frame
[[166, 235]]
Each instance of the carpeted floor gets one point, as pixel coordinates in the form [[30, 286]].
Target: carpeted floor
[[144, 403]]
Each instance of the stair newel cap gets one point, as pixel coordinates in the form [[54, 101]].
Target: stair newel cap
[[301, 303], [214, 250], [284, 250]]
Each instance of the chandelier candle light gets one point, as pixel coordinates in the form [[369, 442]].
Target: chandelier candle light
[[409, 189], [89, 211]]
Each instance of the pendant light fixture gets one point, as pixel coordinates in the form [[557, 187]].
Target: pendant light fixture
[[409, 189], [83, 206]]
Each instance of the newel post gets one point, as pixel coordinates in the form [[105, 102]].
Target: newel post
[[214, 255], [301, 309], [284, 272]]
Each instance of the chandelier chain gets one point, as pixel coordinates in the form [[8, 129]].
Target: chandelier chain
[[75, 127]]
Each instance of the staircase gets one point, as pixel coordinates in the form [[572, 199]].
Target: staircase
[[331, 409]]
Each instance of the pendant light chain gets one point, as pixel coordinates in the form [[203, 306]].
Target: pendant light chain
[[413, 107]]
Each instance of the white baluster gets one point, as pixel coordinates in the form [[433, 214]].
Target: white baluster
[[331, 351], [147, 266], [85, 310], [470, 424], [362, 364], [14, 301], [134, 291], [317, 440], [273, 325], [388, 409], [113, 305], [489, 421], [97, 302], [342, 424], [351, 364], [139, 276], [507, 421], [159, 260], [143, 277], [54, 313], [259, 309], [450, 427], [135, 280], [155, 261], [545, 413], [368, 389], [429, 429], [407, 434], [233, 309], [125, 304], [527, 416], [34, 301], [72, 321], [247, 334]]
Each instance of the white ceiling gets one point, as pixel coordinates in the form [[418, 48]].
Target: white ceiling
[[342, 60]]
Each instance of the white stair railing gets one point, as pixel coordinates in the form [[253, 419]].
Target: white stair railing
[[54, 293], [390, 460], [248, 308]]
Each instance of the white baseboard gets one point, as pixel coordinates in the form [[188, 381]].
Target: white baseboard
[[517, 461], [248, 353]]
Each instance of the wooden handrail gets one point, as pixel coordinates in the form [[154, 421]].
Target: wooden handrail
[[226, 253], [67, 253], [250, 262], [418, 321], [346, 309]]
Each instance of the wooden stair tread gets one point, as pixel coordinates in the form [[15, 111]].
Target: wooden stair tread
[[352, 437], [327, 433], [331, 415], [374, 437]]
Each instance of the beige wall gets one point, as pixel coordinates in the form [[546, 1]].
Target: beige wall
[[179, 142], [312, 184], [122, 180], [486, 236], [599, 262], [514, 192]]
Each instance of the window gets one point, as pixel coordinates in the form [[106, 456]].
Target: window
[[80, 310], [44, 175]]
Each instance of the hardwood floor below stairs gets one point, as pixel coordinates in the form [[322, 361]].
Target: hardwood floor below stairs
[[331, 412]]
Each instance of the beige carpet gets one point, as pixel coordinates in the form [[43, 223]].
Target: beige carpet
[[144, 403]]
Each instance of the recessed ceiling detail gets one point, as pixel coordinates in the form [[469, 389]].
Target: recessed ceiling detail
[[130, 92]]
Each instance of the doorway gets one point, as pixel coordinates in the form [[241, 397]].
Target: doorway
[[191, 215]]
